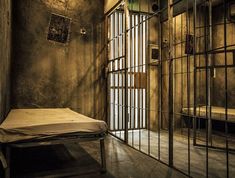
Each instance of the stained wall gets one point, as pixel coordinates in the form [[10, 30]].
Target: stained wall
[[5, 57], [47, 74]]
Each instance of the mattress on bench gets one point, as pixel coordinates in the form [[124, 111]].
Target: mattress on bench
[[217, 113], [25, 124]]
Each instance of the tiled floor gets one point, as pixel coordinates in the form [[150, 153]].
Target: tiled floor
[[72, 160]]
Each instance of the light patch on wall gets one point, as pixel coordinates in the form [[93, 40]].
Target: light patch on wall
[[56, 4], [59, 28], [73, 4]]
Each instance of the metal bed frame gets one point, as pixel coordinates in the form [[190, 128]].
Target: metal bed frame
[[5, 148], [188, 113]]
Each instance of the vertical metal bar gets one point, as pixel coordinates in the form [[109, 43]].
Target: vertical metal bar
[[195, 72], [226, 86], [143, 46], [131, 87], [110, 74], [147, 38], [209, 76], [181, 69], [114, 74], [142, 69], [139, 71], [2, 158], [8, 159], [118, 68], [103, 157], [126, 11], [174, 61], [207, 102], [134, 70], [120, 73], [170, 94], [108, 88], [160, 82], [173, 75], [125, 57], [143, 61], [116, 71], [188, 84], [200, 58], [123, 91]]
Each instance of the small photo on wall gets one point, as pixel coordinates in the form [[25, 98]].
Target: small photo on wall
[[189, 44], [59, 28]]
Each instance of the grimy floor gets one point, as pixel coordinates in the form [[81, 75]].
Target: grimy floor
[[82, 161], [140, 139]]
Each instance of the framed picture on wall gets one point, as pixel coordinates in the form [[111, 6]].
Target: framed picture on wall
[[189, 44], [59, 28], [154, 54]]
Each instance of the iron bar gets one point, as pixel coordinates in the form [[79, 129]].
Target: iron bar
[[134, 69], [170, 92], [126, 71], [160, 82], [188, 84], [207, 102], [194, 72], [138, 70], [118, 66], [226, 87]]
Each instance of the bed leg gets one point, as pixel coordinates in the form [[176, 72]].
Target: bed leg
[[8, 158], [2, 158], [103, 159]]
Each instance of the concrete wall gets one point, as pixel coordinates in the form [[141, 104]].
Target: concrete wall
[[48, 74], [165, 75], [153, 95], [5, 55]]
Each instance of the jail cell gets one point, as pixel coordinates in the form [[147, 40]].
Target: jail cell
[[116, 71], [179, 109], [137, 75], [135, 72]]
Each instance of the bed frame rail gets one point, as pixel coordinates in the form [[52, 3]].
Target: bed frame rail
[[6, 158]]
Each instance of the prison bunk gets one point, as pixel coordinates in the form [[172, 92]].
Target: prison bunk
[[214, 114], [35, 127], [217, 113]]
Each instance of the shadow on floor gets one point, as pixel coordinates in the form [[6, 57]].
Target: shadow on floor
[[82, 160], [55, 161]]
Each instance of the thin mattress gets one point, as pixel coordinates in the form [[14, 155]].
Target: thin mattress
[[24, 124], [217, 113]]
